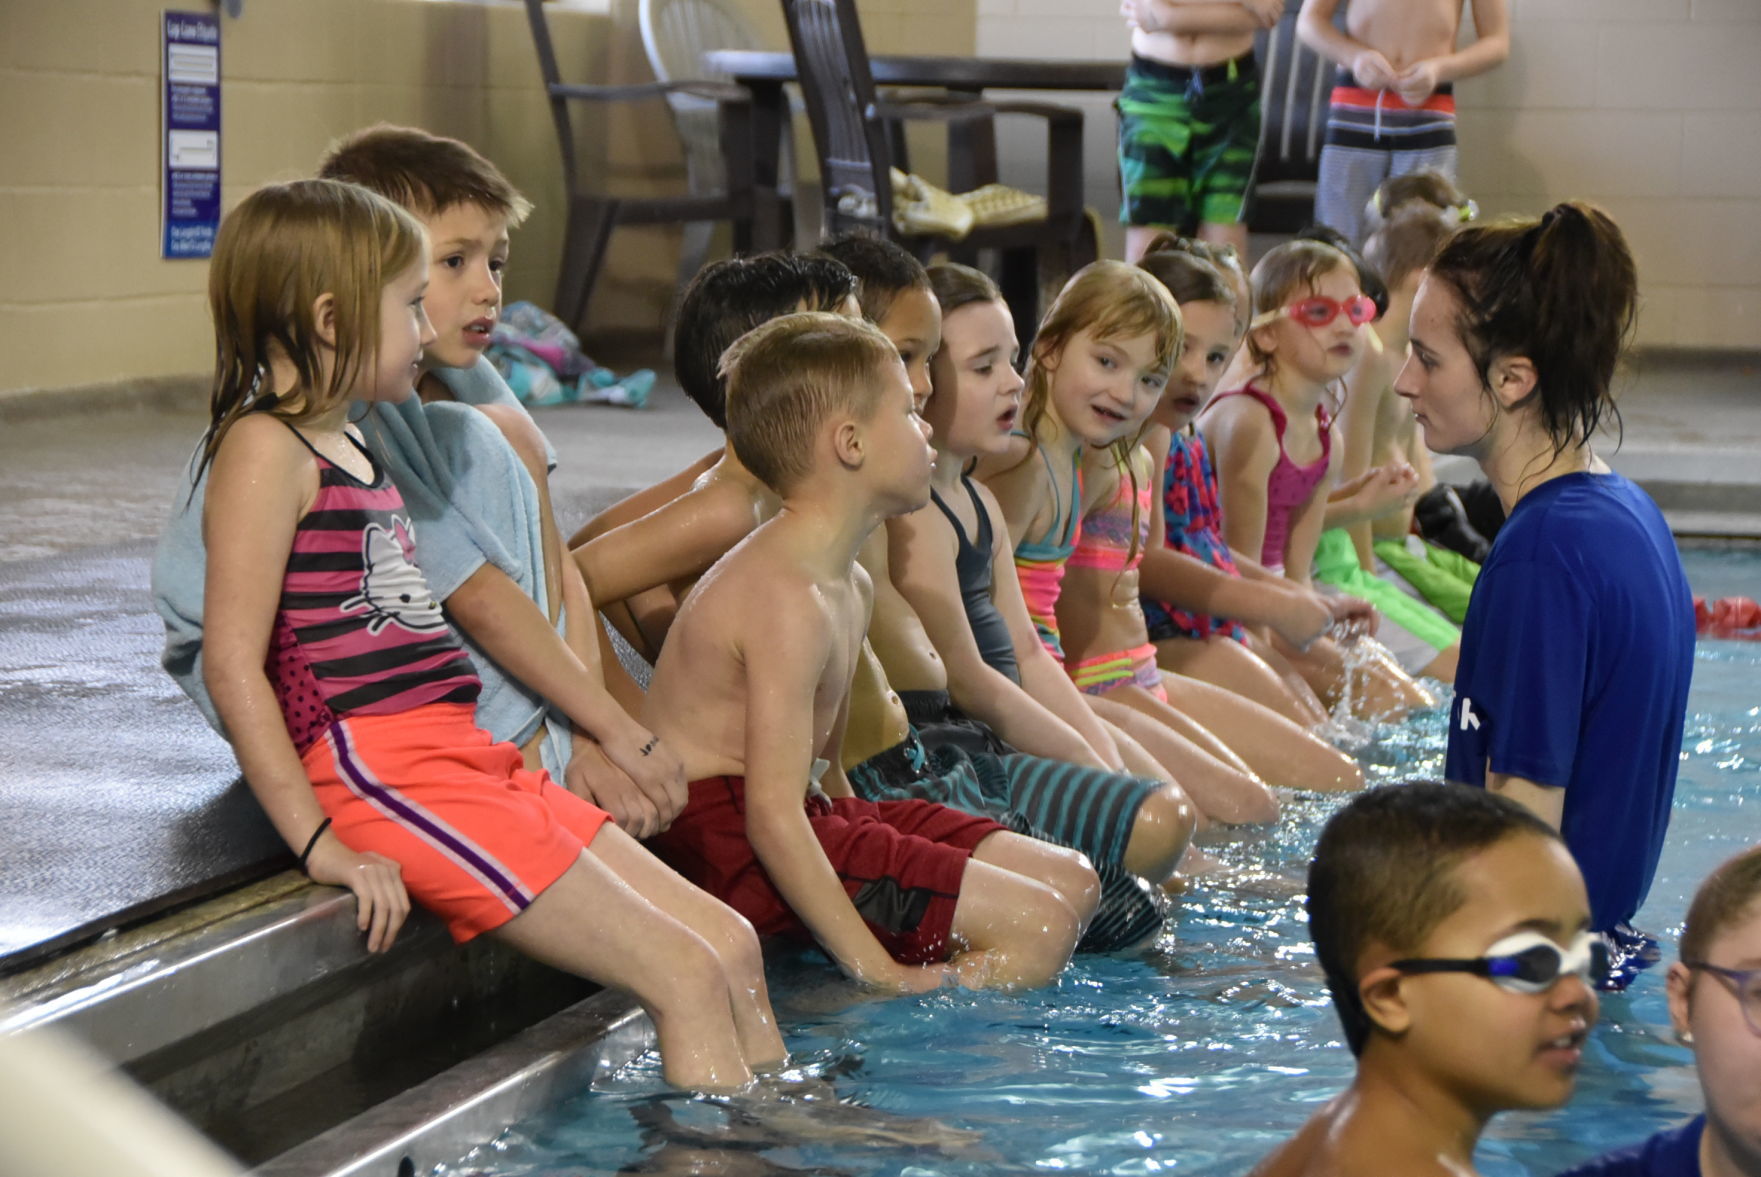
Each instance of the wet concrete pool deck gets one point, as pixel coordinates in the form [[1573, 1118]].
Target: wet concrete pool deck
[[122, 804]]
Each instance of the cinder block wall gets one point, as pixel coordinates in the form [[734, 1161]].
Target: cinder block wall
[[88, 300], [1650, 108]]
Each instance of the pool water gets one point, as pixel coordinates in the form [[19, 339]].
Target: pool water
[[1200, 1056]]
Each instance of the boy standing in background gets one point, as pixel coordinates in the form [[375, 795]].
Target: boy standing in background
[[1393, 107], [1189, 118]]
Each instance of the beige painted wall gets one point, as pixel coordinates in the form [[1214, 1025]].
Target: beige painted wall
[[88, 299], [1651, 108]]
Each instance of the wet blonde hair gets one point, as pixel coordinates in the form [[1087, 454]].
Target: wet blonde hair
[[788, 377], [277, 253], [1110, 300]]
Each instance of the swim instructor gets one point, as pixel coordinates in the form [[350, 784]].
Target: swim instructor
[[1579, 641]]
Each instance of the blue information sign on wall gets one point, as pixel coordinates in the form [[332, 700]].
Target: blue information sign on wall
[[192, 133]]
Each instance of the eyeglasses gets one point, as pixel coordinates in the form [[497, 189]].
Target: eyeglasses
[[1746, 983], [1526, 962], [1319, 311]]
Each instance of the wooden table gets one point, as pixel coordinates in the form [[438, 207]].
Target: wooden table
[[972, 147]]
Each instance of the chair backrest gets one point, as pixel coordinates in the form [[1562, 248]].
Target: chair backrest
[[1295, 85], [676, 34], [838, 90], [559, 106]]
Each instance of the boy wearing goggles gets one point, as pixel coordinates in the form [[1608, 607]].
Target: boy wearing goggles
[[1453, 927]]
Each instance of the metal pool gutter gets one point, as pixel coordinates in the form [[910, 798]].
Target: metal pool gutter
[[439, 1121]]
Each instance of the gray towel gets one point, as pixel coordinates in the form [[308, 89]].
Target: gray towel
[[471, 502]]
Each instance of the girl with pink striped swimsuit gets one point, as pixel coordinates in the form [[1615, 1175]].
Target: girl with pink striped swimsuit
[[347, 697]]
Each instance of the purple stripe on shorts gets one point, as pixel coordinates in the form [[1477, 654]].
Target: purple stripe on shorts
[[468, 857]]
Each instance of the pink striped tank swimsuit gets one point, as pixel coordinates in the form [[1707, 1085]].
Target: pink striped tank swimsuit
[[1289, 485], [357, 631], [379, 696]]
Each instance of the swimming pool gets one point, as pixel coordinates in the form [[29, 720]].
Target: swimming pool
[[1198, 1057]]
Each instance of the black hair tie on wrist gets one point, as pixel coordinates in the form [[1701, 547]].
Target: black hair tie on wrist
[[307, 852]]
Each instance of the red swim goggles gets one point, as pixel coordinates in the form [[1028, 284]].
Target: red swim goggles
[[1319, 311]]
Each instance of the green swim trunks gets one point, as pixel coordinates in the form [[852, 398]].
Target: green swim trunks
[[1442, 577], [1188, 142], [1414, 631]]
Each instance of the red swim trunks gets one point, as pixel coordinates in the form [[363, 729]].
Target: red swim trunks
[[477, 834], [900, 861]]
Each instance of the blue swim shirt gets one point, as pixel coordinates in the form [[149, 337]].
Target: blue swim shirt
[[1575, 660], [1673, 1152]]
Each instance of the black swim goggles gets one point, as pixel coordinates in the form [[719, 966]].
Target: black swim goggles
[[1525, 962]]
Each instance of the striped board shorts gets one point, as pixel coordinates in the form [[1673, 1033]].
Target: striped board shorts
[[1188, 142], [1068, 805], [1373, 135]]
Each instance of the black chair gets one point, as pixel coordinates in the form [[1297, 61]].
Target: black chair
[[1295, 86], [592, 214], [855, 135]]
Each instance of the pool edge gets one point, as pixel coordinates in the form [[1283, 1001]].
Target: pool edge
[[442, 1119]]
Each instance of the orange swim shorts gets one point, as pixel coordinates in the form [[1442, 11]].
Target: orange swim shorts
[[477, 834]]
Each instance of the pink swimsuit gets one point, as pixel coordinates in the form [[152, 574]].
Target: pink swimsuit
[[1289, 485]]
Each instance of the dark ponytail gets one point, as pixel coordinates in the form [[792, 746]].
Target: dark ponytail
[[1562, 291]]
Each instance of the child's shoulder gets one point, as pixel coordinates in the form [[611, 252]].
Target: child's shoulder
[[261, 441], [987, 499], [1011, 461], [1235, 414], [1102, 473], [1142, 459], [719, 499]]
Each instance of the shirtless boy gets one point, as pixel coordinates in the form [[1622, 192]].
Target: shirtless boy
[[1189, 117], [752, 691], [658, 556], [1453, 927], [640, 556], [1393, 107]]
